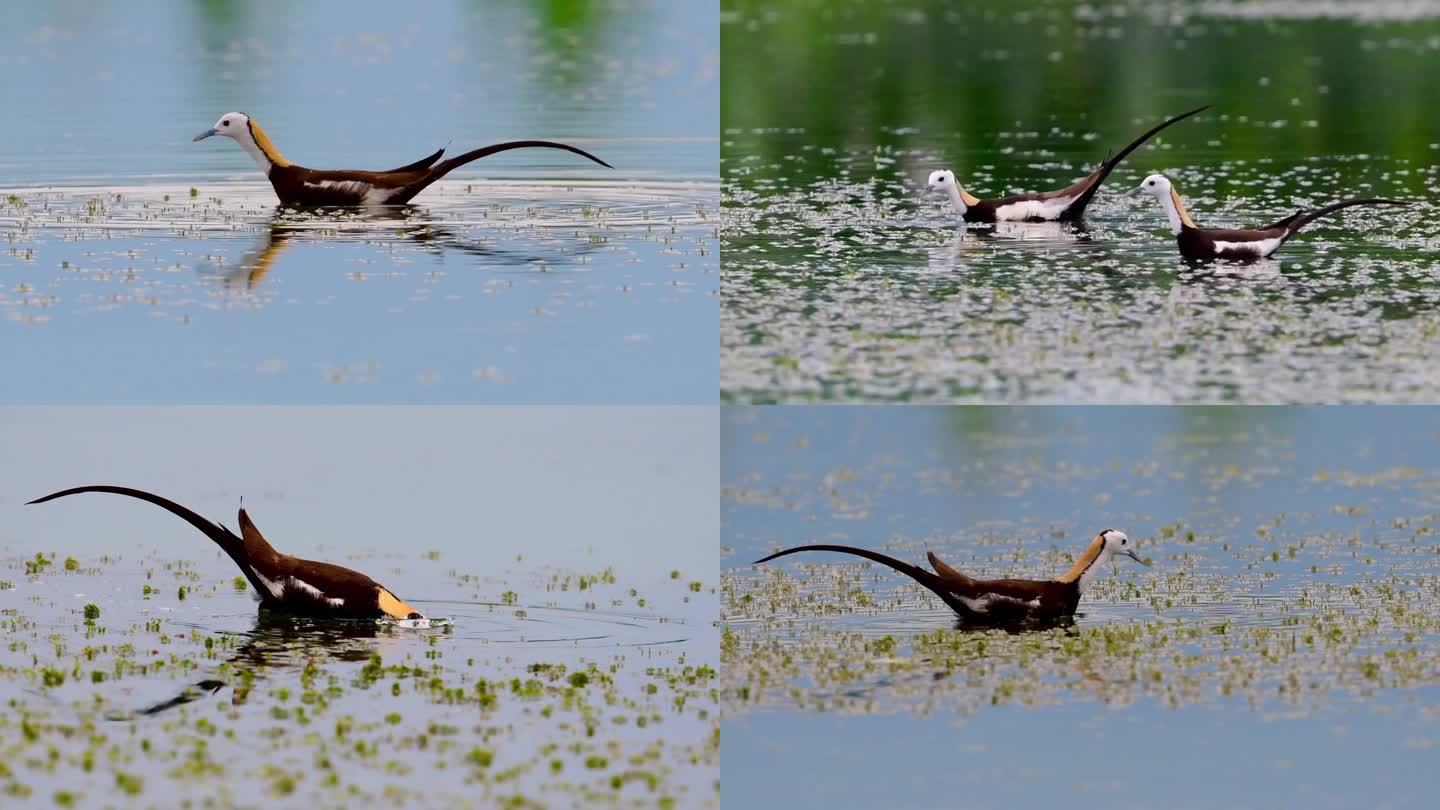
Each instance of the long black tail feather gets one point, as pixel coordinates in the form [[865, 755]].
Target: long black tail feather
[[444, 167], [447, 166], [223, 537], [1307, 217], [1077, 208], [920, 575]]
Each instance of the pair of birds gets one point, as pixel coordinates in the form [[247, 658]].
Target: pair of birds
[[299, 186], [1068, 205], [296, 586]]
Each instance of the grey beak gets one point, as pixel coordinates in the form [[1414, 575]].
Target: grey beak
[[202, 136], [1131, 193], [1136, 557], [930, 188]]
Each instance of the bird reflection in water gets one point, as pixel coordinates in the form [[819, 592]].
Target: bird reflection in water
[[277, 642], [411, 223]]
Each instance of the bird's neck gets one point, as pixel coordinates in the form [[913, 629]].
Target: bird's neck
[[957, 198], [1175, 212], [1088, 575], [260, 148], [1085, 568], [256, 154]]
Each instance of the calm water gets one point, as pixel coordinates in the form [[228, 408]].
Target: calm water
[[155, 270], [542, 689], [842, 283], [1280, 652]]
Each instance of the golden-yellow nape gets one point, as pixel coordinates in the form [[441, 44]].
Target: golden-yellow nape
[[1092, 551], [1180, 206], [263, 141]]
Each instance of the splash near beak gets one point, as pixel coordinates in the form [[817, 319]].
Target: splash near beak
[[202, 136], [1136, 557]]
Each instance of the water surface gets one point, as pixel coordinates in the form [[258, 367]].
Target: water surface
[[843, 283], [1285, 636], [573, 553], [140, 267]]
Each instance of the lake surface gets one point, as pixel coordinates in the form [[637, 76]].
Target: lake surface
[[138, 267], [842, 283], [572, 550], [1280, 652]]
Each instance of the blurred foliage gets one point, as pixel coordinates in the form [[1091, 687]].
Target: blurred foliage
[[851, 72]]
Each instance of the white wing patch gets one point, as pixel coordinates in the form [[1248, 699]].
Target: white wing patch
[[378, 196], [356, 187], [369, 194], [276, 589], [314, 591], [1033, 209], [982, 604], [1261, 248]]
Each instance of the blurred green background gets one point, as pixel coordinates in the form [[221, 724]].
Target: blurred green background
[[898, 73]]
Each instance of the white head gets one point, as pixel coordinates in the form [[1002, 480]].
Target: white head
[[944, 182], [1117, 542], [1156, 185], [1105, 545], [238, 127], [1159, 187]]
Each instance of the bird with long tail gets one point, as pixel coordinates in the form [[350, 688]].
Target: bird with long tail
[[299, 186], [284, 584], [1065, 205], [1001, 601], [1244, 244]]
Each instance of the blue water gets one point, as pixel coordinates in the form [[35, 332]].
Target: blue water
[[483, 516], [1344, 498], [1091, 756], [142, 268], [1013, 467]]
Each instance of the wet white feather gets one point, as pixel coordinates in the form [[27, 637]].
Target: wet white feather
[[349, 186], [378, 196], [982, 604], [1033, 209], [276, 589], [1261, 247], [314, 591]]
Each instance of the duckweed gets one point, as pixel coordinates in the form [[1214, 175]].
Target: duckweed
[[198, 695], [1272, 602]]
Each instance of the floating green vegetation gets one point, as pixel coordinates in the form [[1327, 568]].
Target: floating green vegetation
[[184, 701], [1287, 613]]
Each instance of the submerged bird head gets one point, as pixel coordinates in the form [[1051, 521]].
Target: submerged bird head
[[243, 130], [943, 181], [1105, 545]]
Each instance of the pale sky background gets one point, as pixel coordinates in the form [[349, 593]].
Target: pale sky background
[[572, 486]]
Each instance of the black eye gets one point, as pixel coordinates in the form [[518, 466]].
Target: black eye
[[224, 123]]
